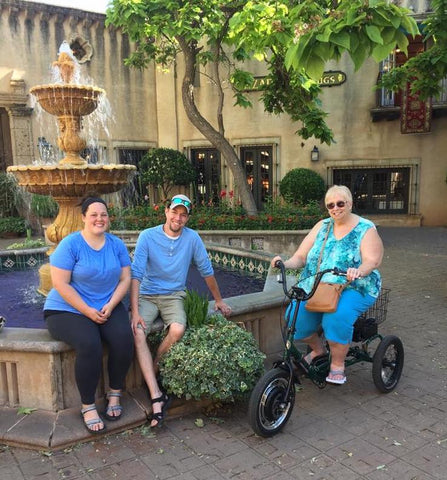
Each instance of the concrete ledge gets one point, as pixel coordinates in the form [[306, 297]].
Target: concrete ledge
[[46, 430], [30, 340]]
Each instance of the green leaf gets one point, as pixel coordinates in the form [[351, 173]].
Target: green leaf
[[199, 423], [315, 67], [25, 411], [410, 25], [382, 51], [342, 39], [359, 55], [402, 41], [374, 34], [325, 36]]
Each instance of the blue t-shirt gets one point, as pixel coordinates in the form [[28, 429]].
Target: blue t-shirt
[[161, 263], [343, 253], [95, 274]]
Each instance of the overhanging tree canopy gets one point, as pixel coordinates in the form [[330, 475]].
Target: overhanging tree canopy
[[293, 38]]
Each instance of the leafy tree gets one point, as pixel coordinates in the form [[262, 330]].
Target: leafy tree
[[166, 167], [294, 38], [426, 70]]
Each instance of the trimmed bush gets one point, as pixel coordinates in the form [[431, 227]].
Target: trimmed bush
[[302, 185]]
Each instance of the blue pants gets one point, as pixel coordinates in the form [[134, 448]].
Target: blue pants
[[338, 326]]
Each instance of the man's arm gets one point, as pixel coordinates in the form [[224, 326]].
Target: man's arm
[[215, 292]]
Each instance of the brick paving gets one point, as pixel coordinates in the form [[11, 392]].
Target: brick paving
[[351, 432]]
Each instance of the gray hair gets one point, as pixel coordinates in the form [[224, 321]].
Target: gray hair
[[341, 190]]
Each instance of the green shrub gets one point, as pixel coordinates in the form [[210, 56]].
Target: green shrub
[[27, 243], [302, 185], [12, 225], [219, 361], [44, 206], [11, 196]]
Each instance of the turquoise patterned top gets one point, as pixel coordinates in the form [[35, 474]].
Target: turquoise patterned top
[[344, 254]]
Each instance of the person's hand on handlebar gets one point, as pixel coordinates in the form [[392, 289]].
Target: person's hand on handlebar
[[274, 260], [353, 273]]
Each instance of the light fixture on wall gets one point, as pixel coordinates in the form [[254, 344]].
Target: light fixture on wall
[[315, 154]]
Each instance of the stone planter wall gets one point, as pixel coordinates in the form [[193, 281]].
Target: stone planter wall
[[271, 242]]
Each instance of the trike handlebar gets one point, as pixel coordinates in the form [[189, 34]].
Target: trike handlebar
[[297, 292]]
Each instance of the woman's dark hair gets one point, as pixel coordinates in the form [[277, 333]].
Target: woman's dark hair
[[86, 202]]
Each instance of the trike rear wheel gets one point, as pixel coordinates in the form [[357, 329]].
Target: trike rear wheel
[[388, 362], [269, 409]]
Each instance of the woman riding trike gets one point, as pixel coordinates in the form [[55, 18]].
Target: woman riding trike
[[352, 244]]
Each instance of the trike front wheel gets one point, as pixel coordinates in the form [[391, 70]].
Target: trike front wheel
[[388, 362], [269, 409]]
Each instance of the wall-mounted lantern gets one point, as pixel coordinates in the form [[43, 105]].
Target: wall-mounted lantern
[[315, 154]]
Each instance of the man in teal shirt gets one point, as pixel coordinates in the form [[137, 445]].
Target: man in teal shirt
[[163, 255]]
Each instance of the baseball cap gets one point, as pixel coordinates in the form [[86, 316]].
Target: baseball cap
[[177, 200]]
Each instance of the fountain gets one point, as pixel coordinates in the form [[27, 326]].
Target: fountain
[[72, 178]]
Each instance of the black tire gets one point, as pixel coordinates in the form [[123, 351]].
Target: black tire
[[268, 410], [388, 363]]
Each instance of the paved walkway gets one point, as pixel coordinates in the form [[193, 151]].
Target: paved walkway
[[350, 432]]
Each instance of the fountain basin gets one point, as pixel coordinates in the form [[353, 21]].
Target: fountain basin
[[72, 180], [82, 99]]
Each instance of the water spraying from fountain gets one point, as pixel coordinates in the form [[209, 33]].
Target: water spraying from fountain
[[72, 177]]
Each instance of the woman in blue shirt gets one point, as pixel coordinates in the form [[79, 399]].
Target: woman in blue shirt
[[354, 245], [90, 271]]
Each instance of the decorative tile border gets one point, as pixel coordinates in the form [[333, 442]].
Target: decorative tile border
[[239, 260], [12, 260], [229, 258]]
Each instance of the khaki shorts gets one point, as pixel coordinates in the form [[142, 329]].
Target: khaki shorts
[[169, 307]]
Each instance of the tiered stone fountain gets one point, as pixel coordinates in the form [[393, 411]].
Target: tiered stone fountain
[[72, 178]]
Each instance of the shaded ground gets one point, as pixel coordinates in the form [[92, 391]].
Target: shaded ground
[[351, 432], [22, 306]]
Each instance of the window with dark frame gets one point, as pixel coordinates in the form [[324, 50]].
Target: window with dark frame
[[376, 190], [206, 162], [257, 162]]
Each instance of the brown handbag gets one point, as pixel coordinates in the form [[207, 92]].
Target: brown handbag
[[326, 296]]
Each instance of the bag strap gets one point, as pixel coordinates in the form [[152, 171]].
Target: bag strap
[[322, 247], [321, 254]]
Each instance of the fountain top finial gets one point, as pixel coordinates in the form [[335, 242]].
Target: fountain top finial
[[66, 66]]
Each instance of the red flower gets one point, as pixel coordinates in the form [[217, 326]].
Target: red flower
[[231, 194], [223, 193], [156, 208]]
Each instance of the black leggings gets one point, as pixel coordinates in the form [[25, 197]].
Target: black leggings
[[86, 337]]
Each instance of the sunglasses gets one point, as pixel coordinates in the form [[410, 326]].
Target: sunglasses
[[180, 201], [340, 204]]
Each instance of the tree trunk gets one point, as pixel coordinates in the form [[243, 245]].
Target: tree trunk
[[217, 139]]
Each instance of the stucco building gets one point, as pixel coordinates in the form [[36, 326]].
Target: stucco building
[[396, 177]]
